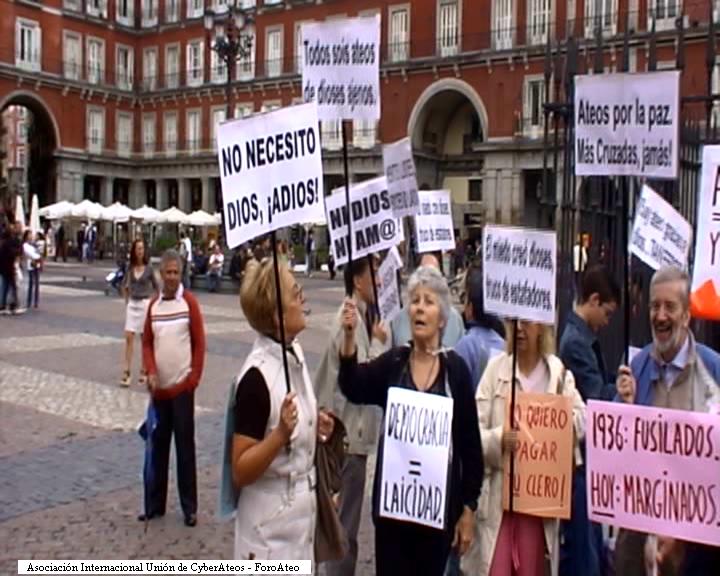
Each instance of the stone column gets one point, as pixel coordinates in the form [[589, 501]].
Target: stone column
[[184, 194], [106, 195], [161, 194], [490, 195], [208, 199], [505, 196]]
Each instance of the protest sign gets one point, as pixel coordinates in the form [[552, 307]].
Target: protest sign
[[519, 266], [542, 484], [627, 124], [389, 294], [402, 182], [271, 172], [340, 68], [704, 297], [434, 222], [373, 226], [660, 235], [654, 470], [416, 459]]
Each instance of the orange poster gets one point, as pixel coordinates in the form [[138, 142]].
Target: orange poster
[[544, 457]]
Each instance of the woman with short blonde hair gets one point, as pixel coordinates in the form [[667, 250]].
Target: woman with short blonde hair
[[271, 433]]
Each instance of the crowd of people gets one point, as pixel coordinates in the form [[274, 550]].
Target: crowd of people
[[22, 253]]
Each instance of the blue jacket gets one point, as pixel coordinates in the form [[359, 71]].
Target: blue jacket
[[580, 352], [476, 349]]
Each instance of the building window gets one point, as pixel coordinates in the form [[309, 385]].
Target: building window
[[172, 66], [273, 52], [243, 110], [72, 55], [600, 14], [299, 47], [28, 45], [475, 190], [149, 13], [95, 61], [21, 132], [96, 8], [448, 27], [124, 12], [20, 158], [195, 8], [124, 134], [220, 5], [193, 130], [172, 10], [148, 129], [399, 33], [364, 133], [124, 67], [218, 117], [218, 69], [665, 13], [269, 107], [195, 63], [538, 20], [246, 66], [95, 130], [503, 24], [331, 134], [533, 100], [150, 66], [74, 5], [170, 132]]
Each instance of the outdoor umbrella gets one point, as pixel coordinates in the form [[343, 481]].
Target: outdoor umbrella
[[116, 212], [19, 210], [57, 211], [146, 214], [147, 432], [35, 215], [200, 218], [173, 216], [87, 210]]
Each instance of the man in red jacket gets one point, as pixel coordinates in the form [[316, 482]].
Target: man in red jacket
[[174, 354]]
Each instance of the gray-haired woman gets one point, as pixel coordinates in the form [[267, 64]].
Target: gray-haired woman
[[421, 366]]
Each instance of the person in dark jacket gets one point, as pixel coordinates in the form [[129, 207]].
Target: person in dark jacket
[[581, 551], [421, 366], [10, 251]]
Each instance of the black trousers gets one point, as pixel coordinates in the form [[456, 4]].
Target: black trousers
[[403, 548], [176, 416]]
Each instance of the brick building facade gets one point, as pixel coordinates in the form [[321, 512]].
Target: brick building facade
[[127, 92]]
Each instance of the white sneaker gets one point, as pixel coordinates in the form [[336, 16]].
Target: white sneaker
[[18, 311]]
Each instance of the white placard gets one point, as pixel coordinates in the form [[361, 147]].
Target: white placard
[[416, 458], [706, 266], [373, 226], [660, 235], [388, 292], [434, 222], [627, 124], [340, 68], [271, 172], [519, 267], [402, 181]]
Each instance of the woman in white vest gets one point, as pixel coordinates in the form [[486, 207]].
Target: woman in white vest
[[274, 432], [509, 543]]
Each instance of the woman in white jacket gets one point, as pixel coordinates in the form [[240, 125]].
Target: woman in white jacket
[[512, 544], [274, 432]]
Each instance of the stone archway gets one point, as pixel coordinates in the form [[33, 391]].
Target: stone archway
[[42, 141]]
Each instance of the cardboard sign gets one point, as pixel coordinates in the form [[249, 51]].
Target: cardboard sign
[[341, 68], [271, 172], [627, 124], [543, 462], [660, 235], [704, 297], [388, 292], [373, 226], [401, 178], [654, 470], [416, 459], [434, 228], [519, 267]]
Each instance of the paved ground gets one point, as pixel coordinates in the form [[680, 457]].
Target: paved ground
[[70, 458]]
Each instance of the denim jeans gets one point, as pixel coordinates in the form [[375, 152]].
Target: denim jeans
[[33, 287], [8, 288], [213, 281]]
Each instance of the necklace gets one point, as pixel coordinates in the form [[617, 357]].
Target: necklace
[[430, 373]]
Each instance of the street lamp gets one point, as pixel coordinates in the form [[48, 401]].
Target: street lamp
[[234, 45]]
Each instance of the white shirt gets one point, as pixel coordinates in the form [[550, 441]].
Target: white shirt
[[673, 369], [537, 380], [188, 248], [31, 255], [216, 261]]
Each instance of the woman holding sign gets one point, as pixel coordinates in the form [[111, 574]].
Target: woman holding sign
[[511, 543], [270, 436], [428, 506]]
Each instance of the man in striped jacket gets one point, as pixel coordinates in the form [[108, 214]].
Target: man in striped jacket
[[174, 354]]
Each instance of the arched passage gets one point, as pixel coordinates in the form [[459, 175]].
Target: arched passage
[[41, 140], [447, 127]]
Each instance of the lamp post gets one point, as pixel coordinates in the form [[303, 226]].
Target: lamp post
[[231, 46]]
